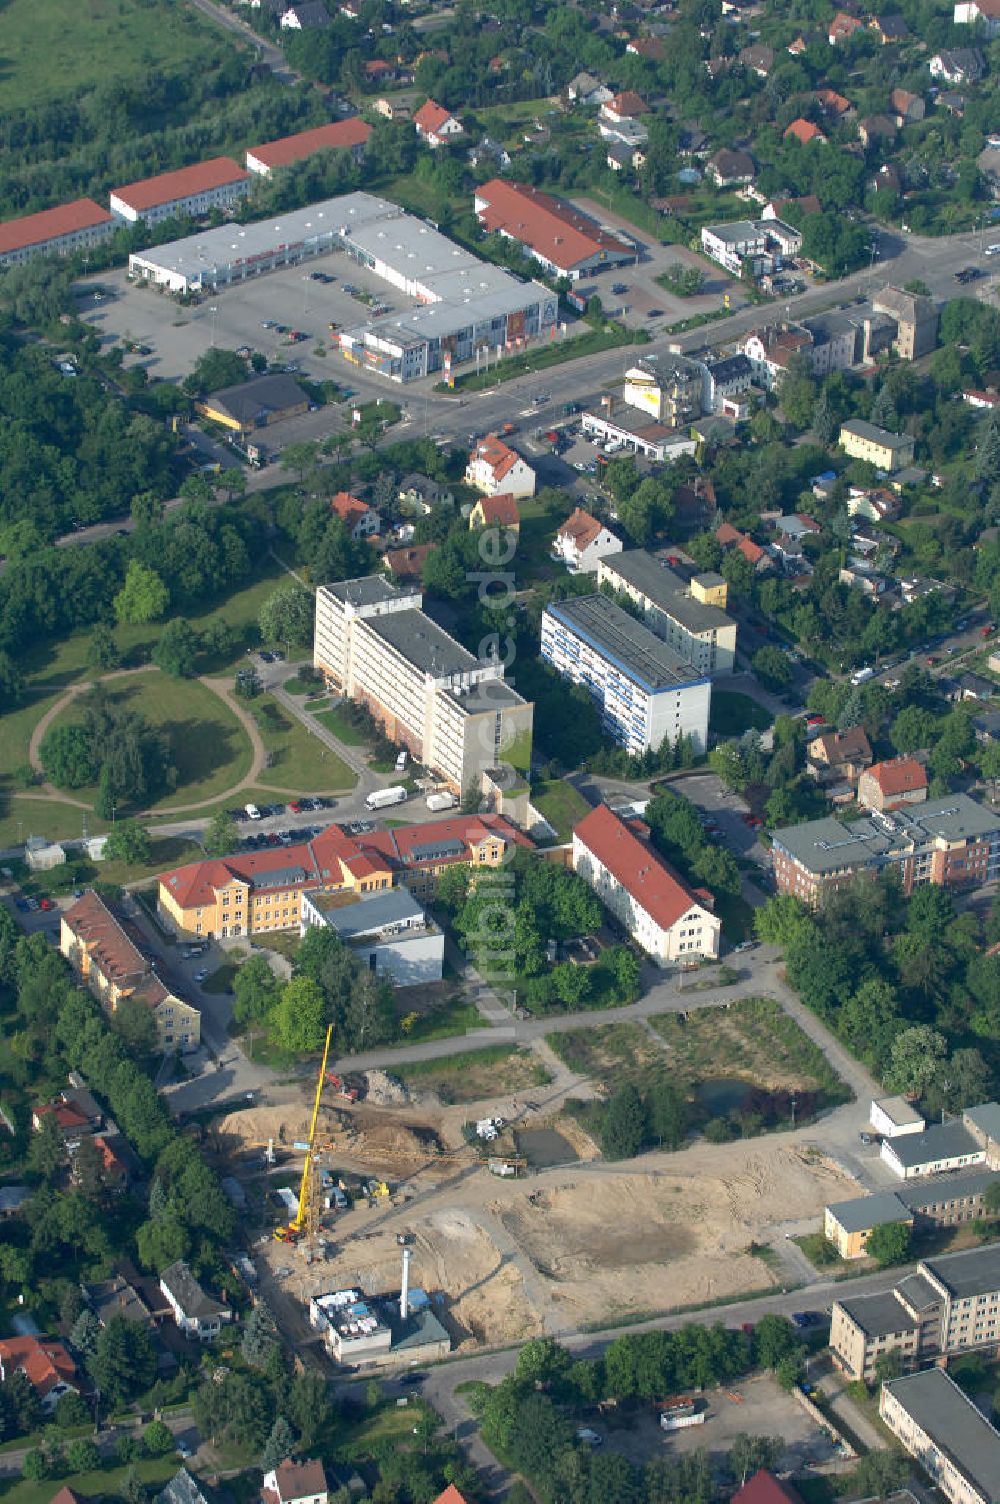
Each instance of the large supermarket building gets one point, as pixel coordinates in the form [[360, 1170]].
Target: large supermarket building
[[463, 305]]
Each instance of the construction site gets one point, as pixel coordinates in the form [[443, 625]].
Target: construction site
[[507, 1234]]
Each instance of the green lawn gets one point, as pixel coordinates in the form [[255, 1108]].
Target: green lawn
[[49, 42], [23, 817], [171, 851], [456, 1016], [16, 727], [560, 804], [733, 713], [209, 747], [299, 760], [154, 1472], [339, 722]]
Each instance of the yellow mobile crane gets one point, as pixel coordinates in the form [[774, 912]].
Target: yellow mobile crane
[[308, 1191]]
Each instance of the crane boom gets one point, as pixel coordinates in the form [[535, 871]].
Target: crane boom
[[307, 1168]]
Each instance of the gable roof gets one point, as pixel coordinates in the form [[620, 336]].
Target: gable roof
[[252, 402], [900, 775], [832, 103], [168, 187], [187, 1292], [804, 131], [50, 224], [581, 528], [552, 228], [628, 103], [500, 510], [181, 1489], [45, 1363], [337, 134], [641, 871], [299, 1480], [430, 117], [101, 934], [841, 746], [349, 508], [499, 456], [407, 563], [765, 1488]]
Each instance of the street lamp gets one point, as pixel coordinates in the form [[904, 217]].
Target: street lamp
[[213, 310]]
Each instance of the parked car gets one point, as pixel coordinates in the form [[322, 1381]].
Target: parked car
[[46, 904], [201, 974]]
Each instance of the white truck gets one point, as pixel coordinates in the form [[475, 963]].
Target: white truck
[[383, 798], [443, 800]]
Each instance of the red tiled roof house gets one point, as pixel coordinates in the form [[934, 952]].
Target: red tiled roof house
[[887, 785], [671, 922]]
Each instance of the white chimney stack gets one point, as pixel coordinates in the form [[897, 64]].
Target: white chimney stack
[[404, 1293]]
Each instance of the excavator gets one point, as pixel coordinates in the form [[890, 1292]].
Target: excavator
[[297, 1229]]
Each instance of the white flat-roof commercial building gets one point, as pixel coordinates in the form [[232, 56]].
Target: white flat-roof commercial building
[[645, 690], [942, 1429], [218, 183], [730, 245], [893, 1116], [389, 933], [452, 710], [55, 232], [631, 429], [680, 612]]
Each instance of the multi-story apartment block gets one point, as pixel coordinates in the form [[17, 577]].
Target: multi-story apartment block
[[866, 441], [218, 183], [453, 711], [105, 957], [733, 244], [949, 1305], [920, 1204], [687, 614], [944, 1431], [645, 690], [668, 388], [55, 232], [672, 923], [952, 842], [254, 892]]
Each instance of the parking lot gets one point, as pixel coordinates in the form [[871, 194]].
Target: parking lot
[[756, 1407], [235, 316], [724, 816], [646, 303]]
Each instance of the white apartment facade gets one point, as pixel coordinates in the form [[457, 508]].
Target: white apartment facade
[[702, 633], [216, 184], [943, 1430], [582, 542], [729, 245], [454, 712], [644, 690], [494, 468], [671, 923], [55, 232]]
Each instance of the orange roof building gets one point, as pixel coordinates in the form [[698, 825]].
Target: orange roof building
[[339, 135], [255, 891], [70, 227], [496, 511], [887, 785], [664, 915], [407, 563], [495, 468], [46, 1365], [581, 542], [216, 184], [436, 125], [560, 237], [360, 520], [803, 131]]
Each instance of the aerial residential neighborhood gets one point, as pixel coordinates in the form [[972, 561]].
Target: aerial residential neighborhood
[[500, 752]]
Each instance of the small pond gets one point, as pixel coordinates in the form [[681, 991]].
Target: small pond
[[722, 1095], [544, 1148]]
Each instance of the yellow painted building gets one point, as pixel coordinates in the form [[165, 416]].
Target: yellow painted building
[[109, 962], [885, 450]]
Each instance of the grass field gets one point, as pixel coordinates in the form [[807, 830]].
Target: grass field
[[475, 1074], [61, 663], [23, 817], [107, 1482], [560, 804], [171, 851], [456, 1016], [45, 44], [209, 747], [339, 722], [299, 760], [733, 713]]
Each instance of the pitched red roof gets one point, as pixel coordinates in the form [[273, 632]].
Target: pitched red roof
[[408, 563], [320, 861], [900, 775], [297, 1480], [101, 934], [185, 182], [49, 224], [430, 117], [500, 510], [804, 131], [349, 509], [451, 1495], [643, 874], [498, 455], [628, 103], [581, 527], [338, 134], [832, 102], [43, 1362], [550, 226], [765, 1488]]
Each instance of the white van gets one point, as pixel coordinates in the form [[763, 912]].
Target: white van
[[253, 813]]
